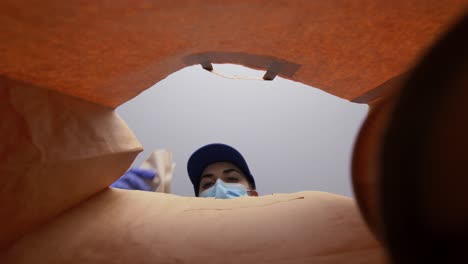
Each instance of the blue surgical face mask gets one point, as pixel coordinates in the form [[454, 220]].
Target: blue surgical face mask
[[223, 190]]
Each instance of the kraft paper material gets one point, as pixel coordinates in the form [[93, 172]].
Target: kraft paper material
[[60, 155], [56, 151], [120, 226]]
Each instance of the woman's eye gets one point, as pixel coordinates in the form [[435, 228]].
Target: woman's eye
[[233, 179], [207, 185]]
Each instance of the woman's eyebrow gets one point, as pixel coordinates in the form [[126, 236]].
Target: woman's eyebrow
[[208, 175], [230, 170]]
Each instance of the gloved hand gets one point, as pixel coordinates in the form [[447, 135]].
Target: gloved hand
[[136, 179]]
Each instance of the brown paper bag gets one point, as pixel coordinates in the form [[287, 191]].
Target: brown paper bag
[[56, 151], [119, 226]]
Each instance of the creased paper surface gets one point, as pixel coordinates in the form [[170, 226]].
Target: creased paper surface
[[121, 227], [55, 151]]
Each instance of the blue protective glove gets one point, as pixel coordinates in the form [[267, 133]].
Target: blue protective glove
[[136, 179]]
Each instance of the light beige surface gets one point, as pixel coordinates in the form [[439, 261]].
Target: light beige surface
[[118, 226], [56, 151]]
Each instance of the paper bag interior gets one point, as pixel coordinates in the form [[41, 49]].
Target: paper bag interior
[[119, 226], [57, 207], [65, 65]]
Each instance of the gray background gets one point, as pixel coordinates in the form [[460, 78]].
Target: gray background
[[294, 137]]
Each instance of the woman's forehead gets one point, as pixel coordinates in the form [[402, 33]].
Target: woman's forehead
[[220, 167]]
